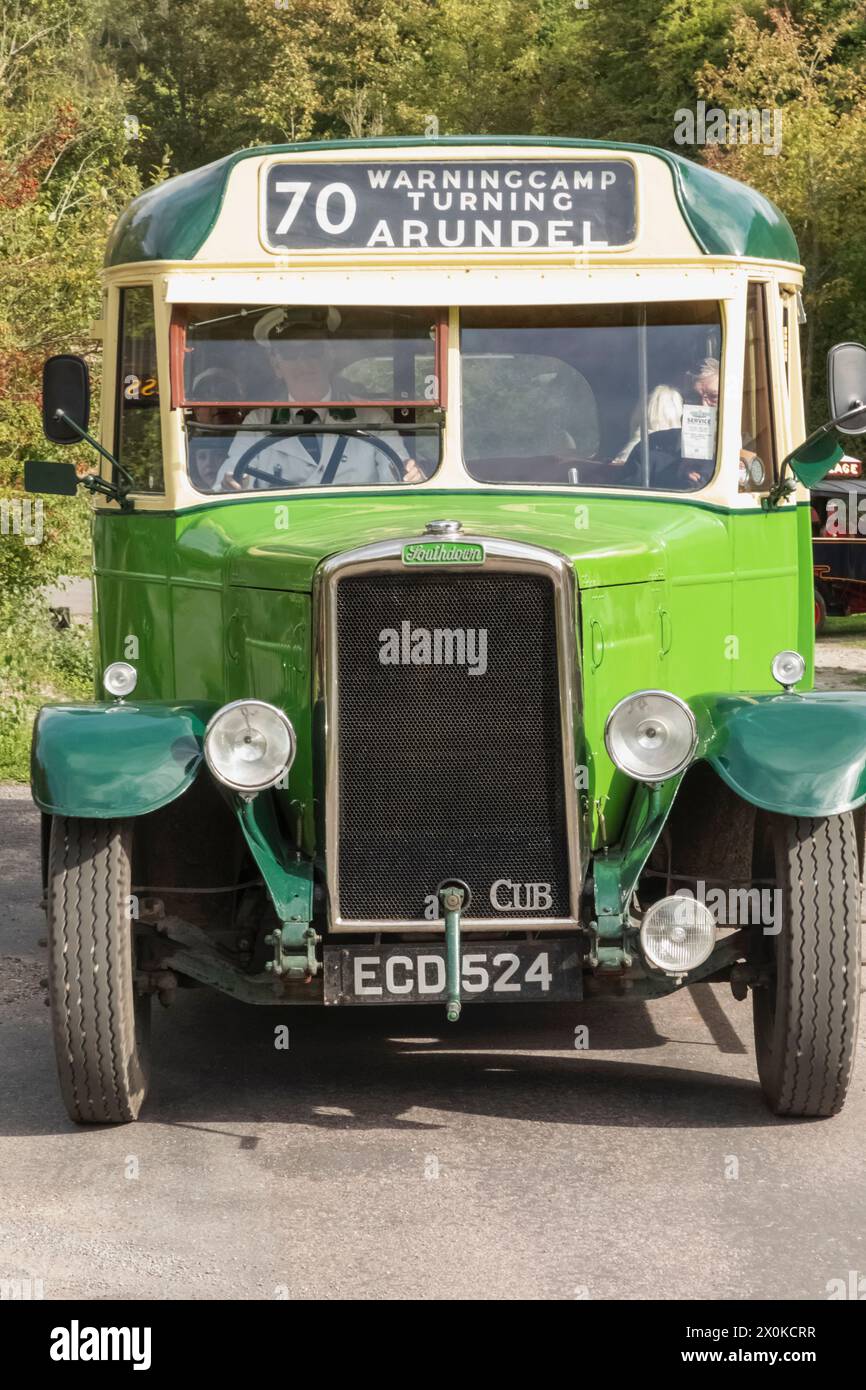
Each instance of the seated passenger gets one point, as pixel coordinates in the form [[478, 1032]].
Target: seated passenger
[[669, 466], [753, 473], [664, 412], [300, 353], [706, 382]]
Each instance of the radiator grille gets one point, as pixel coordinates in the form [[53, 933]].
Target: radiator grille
[[443, 773]]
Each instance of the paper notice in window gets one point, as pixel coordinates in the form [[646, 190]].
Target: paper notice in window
[[699, 431]]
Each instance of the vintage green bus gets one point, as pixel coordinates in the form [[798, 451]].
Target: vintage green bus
[[453, 606]]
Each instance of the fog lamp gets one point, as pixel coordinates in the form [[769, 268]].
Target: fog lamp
[[249, 745], [788, 669], [119, 679], [651, 735], [677, 934]]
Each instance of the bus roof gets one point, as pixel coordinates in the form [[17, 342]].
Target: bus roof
[[171, 221]]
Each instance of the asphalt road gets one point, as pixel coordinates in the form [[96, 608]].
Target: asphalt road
[[386, 1155]]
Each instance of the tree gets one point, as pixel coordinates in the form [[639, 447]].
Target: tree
[[338, 67], [812, 69], [64, 176], [189, 68]]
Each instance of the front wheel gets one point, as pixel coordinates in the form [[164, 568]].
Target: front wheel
[[101, 1023], [806, 1000]]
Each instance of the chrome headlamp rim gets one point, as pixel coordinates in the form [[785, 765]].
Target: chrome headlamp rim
[[684, 761], [787, 652], [708, 921], [119, 666], [246, 788]]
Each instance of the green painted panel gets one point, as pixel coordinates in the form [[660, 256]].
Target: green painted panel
[[625, 540], [766, 599], [113, 760], [800, 755], [270, 657], [143, 549], [622, 636], [731, 219], [134, 624], [173, 220], [666, 581], [195, 632], [805, 643]]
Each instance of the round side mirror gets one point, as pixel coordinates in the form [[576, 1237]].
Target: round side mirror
[[846, 386]]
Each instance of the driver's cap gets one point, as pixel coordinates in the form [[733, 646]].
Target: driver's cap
[[305, 323]]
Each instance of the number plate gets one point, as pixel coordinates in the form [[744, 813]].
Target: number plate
[[494, 972]]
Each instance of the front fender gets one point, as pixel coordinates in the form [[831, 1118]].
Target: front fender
[[801, 755], [103, 761]]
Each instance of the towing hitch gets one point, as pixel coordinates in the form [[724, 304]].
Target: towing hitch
[[453, 897]]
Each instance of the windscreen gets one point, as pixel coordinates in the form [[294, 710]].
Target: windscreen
[[611, 395], [304, 396]]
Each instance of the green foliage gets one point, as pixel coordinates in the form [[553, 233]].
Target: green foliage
[[38, 662], [64, 176], [65, 173], [187, 67], [204, 77], [810, 66]]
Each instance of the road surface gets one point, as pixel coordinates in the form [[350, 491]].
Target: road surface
[[388, 1155]]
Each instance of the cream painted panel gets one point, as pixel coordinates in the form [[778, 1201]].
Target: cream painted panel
[[476, 285], [662, 230]]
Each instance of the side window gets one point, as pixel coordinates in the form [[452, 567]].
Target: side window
[[758, 446], [138, 442]]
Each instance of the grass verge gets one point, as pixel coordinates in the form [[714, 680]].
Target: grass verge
[[39, 662]]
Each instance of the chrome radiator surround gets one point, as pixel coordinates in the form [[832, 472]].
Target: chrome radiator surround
[[386, 557]]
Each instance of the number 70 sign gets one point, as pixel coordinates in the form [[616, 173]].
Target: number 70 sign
[[432, 204]]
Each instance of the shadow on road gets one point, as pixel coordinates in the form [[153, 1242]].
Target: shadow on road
[[215, 1064]]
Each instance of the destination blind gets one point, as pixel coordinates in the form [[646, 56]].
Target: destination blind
[[515, 205]]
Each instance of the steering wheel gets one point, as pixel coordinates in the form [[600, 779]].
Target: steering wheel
[[243, 465]]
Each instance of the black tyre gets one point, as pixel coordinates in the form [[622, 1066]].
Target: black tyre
[[820, 612], [101, 1024], [805, 1012]]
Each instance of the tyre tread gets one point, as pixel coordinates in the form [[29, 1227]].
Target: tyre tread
[[102, 1074], [819, 958]]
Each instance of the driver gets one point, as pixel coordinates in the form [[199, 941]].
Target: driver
[[299, 347]]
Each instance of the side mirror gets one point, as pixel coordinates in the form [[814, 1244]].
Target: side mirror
[[814, 459], [59, 479], [846, 386], [66, 388], [846, 390]]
